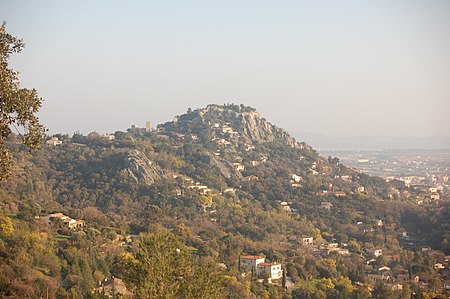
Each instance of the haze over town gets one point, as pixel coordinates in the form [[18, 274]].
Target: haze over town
[[334, 68]]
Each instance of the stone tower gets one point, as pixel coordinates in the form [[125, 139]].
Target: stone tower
[[148, 126]]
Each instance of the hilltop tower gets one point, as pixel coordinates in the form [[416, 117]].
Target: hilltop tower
[[148, 126]]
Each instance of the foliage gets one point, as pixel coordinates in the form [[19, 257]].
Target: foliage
[[90, 178], [18, 106], [164, 268]]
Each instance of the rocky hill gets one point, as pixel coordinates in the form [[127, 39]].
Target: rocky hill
[[239, 123], [227, 182], [220, 147]]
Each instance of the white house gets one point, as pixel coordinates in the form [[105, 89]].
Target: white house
[[251, 261], [435, 196], [306, 240], [285, 206], [272, 270], [227, 129], [54, 141], [296, 178], [339, 193], [256, 163], [260, 267], [238, 166], [375, 251], [296, 185], [69, 222], [378, 222], [342, 251], [109, 137], [384, 268], [338, 250], [250, 178], [249, 147]]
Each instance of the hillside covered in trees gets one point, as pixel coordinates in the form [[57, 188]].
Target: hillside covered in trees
[[213, 185]]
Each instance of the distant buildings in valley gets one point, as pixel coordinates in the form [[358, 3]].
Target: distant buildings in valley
[[425, 172]]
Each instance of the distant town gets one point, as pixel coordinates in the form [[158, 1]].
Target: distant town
[[423, 170]]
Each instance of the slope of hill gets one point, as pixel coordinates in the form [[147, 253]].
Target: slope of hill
[[227, 182]]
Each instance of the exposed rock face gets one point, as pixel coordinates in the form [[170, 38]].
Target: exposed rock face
[[225, 167], [248, 124], [140, 167], [256, 128]]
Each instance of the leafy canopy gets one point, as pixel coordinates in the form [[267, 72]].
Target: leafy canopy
[[18, 106], [164, 267]]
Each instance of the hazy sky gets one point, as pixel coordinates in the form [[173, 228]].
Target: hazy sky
[[338, 68]]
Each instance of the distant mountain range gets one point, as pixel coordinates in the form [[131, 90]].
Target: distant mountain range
[[323, 142]]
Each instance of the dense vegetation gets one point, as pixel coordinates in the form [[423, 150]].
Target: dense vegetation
[[216, 179], [18, 106]]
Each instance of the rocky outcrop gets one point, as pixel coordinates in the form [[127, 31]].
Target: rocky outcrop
[[141, 168], [233, 123], [248, 124], [226, 168], [255, 128]]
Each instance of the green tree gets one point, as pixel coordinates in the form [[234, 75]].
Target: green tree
[[361, 293], [381, 291], [165, 268], [18, 106], [354, 246]]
